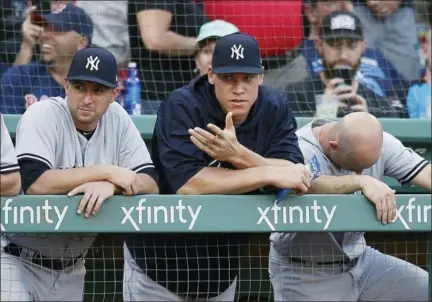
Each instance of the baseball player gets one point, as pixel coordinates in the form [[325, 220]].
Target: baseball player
[[354, 155], [10, 180], [84, 144], [213, 136]]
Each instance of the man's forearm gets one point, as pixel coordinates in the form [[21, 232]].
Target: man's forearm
[[148, 185], [63, 181], [24, 56], [249, 159], [173, 45], [10, 184], [327, 184], [221, 181]]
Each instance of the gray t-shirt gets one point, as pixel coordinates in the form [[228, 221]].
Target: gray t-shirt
[[396, 161], [47, 133], [8, 158]]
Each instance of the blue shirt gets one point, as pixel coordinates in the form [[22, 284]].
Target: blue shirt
[[269, 131], [419, 100], [184, 263], [376, 72], [23, 85]]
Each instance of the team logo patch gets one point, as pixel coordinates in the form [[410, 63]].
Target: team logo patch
[[237, 50], [30, 99], [92, 63], [343, 22]]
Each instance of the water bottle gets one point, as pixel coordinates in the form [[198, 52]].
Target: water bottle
[[132, 100]]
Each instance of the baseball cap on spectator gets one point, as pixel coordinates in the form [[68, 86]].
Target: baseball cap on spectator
[[67, 17], [215, 29], [237, 53], [94, 64], [339, 24]]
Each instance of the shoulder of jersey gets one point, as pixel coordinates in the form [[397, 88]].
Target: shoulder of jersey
[[273, 97]]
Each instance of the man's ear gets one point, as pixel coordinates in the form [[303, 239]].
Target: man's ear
[[115, 92], [211, 76], [334, 145], [66, 86], [261, 78]]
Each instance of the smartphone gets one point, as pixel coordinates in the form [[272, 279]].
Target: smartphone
[[344, 73]]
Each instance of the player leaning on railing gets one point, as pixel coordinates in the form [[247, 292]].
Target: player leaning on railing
[[352, 155], [84, 144], [10, 180], [222, 134]]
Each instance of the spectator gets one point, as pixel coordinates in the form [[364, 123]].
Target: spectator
[[206, 40], [65, 31], [12, 15], [163, 41], [18, 34], [419, 95], [340, 45], [376, 73], [110, 27], [390, 27]]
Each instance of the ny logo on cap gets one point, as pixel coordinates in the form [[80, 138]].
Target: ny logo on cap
[[343, 22], [92, 63], [238, 51]]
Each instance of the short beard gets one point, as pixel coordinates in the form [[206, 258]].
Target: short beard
[[329, 70]]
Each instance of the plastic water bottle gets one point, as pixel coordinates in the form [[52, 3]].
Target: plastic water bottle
[[132, 100]]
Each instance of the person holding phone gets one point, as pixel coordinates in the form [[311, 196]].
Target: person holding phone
[[337, 91]]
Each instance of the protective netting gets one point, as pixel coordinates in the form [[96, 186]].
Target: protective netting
[[106, 271], [167, 58]]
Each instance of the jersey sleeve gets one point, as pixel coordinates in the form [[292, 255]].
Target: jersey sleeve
[[11, 92], [8, 159], [177, 159], [36, 137], [401, 163], [134, 154], [284, 144]]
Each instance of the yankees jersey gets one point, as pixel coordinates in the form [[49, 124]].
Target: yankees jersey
[[47, 137], [8, 159], [396, 161]]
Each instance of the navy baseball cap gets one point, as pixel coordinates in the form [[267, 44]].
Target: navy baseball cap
[[67, 17], [94, 64], [341, 24], [237, 53]]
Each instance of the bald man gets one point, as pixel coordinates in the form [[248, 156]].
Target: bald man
[[354, 155]]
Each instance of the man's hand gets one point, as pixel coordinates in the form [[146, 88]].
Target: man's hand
[[295, 177], [126, 179], [346, 94], [222, 145], [382, 196], [95, 193], [30, 31], [383, 9]]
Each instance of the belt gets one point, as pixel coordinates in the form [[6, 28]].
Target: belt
[[345, 261], [54, 264]]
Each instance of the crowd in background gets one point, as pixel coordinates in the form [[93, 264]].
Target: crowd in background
[[172, 43]]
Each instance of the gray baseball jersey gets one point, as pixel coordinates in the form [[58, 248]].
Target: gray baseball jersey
[[8, 159], [396, 161], [46, 132]]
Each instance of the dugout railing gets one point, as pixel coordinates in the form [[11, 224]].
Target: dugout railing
[[408, 238]]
